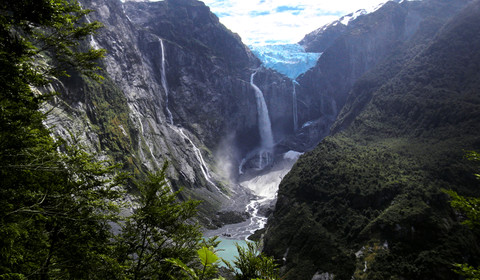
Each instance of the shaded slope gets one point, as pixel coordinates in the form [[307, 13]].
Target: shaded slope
[[367, 41], [374, 188]]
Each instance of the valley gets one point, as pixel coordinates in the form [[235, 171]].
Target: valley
[[277, 110], [233, 125], [336, 153]]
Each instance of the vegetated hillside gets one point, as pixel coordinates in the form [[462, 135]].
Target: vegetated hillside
[[367, 202], [349, 51]]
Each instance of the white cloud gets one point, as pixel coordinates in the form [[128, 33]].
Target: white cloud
[[281, 21]]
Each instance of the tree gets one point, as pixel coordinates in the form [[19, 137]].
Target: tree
[[470, 207], [55, 199], [39, 41], [252, 264], [160, 228]]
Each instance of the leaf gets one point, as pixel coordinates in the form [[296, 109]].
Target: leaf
[[467, 271], [207, 257]]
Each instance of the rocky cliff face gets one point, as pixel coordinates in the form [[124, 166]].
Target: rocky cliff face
[[177, 89], [367, 202]]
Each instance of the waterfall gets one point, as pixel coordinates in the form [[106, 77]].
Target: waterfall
[[295, 114], [264, 126], [164, 84]]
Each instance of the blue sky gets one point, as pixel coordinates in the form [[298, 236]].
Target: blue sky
[[261, 22]]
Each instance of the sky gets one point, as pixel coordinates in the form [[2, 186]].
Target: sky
[[261, 22]]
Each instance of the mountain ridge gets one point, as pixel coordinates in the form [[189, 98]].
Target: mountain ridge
[[367, 201]]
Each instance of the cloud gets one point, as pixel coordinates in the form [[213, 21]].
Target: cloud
[[281, 9], [256, 13], [281, 21]]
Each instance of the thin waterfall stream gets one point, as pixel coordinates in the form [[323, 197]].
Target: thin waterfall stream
[[198, 155], [179, 131], [164, 83], [295, 110]]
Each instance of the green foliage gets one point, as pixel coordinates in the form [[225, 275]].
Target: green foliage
[[55, 212], [55, 199], [207, 257], [473, 156], [469, 206], [32, 30], [469, 272], [189, 273], [207, 270], [252, 264], [159, 228]]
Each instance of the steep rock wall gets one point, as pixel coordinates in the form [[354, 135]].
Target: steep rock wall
[[207, 72]]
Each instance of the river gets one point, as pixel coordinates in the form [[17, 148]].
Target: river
[[264, 185]]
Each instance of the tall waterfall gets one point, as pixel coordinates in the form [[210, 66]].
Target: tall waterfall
[[264, 126], [179, 131], [164, 84], [295, 113]]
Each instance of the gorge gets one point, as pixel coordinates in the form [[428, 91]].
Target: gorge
[[359, 135]]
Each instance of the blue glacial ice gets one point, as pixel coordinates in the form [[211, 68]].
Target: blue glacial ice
[[290, 59]]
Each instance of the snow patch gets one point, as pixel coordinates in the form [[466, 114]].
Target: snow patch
[[345, 20], [374, 8]]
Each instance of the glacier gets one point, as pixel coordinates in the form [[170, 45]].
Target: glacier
[[288, 59]]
